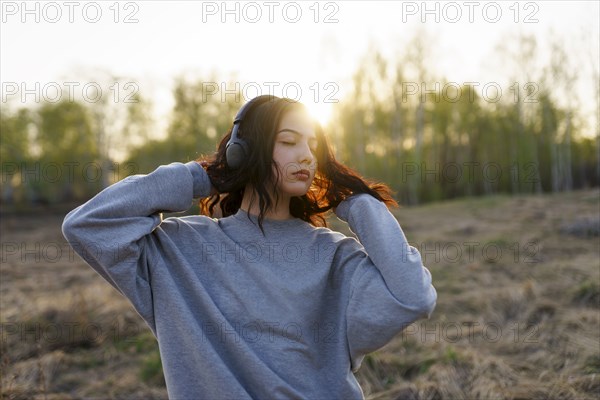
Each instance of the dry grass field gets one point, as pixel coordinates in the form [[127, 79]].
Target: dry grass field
[[518, 313]]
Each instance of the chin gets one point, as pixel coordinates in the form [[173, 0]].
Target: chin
[[296, 191]]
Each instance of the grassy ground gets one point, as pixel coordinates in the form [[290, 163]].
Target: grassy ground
[[518, 313]]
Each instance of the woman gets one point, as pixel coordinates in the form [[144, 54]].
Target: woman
[[265, 301]]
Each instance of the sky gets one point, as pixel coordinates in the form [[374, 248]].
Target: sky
[[306, 50]]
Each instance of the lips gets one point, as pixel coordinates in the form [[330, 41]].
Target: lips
[[302, 174]]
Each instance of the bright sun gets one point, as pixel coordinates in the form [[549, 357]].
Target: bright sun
[[320, 111]]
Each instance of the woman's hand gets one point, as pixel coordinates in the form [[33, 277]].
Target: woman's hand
[[213, 189]]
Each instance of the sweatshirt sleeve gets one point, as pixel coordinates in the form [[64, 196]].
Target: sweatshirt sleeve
[[391, 288], [110, 230]]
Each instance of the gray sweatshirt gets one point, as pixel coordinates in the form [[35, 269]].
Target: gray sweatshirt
[[240, 315]]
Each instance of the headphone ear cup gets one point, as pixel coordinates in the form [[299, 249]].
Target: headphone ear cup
[[235, 153], [236, 150]]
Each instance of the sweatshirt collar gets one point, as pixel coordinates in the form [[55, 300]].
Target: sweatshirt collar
[[268, 223]]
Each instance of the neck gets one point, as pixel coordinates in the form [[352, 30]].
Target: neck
[[279, 211]]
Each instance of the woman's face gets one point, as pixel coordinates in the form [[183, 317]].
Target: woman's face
[[295, 153]]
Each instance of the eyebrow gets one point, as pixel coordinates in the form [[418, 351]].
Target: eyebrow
[[296, 133]]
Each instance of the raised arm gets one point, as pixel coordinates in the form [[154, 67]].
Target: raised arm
[[109, 230], [392, 288]]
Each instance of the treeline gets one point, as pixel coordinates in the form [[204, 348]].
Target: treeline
[[428, 138], [69, 150], [455, 140], [435, 139]]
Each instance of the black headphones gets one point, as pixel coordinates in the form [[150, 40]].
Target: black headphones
[[237, 149]]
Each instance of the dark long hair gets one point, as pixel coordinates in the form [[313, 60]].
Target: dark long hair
[[333, 181]]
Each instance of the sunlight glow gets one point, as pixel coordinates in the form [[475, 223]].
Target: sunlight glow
[[320, 111]]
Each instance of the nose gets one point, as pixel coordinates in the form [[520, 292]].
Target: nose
[[306, 155]]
